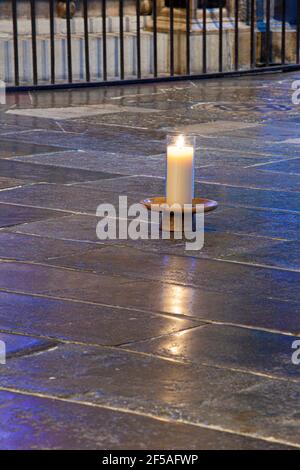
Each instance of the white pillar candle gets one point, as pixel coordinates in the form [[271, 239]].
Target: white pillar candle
[[180, 172]]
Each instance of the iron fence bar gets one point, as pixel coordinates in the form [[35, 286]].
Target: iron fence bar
[[154, 15], [121, 27], [252, 35], [33, 42], [283, 31], [236, 35], [52, 41], [104, 49], [171, 38], [204, 60], [69, 41], [16, 43], [268, 31], [188, 68], [220, 38], [86, 40], [298, 34], [138, 37]]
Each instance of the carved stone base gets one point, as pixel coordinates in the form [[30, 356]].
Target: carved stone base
[[212, 51], [212, 40], [275, 41], [196, 21]]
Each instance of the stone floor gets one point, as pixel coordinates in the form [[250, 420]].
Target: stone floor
[[141, 344]]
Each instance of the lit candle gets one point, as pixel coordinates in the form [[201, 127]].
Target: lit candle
[[180, 171]]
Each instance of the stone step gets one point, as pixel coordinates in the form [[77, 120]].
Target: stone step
[[78, 56]]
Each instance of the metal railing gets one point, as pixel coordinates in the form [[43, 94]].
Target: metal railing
[[83, 43]]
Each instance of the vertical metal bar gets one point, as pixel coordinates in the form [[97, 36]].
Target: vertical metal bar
[[138, 37], [69, 41], [16, 45], [52, 41], [154, 13], [33, 42], [86, 40], [220, 39], [171, 38], [298, 34], [121, 18], [104, 45], [188, 68], [283, 31], [252, 35], [236, 35], [204, 59], [268, 32]]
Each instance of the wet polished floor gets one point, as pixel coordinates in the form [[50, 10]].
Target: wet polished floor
[[140, 344]]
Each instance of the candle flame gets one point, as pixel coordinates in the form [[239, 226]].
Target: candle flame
[[180, 141]]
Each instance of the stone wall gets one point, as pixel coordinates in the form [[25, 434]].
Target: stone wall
[[42, 8]]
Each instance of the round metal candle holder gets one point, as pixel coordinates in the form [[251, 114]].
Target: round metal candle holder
[[156, 204]]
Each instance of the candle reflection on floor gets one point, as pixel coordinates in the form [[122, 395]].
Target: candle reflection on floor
[[177, 299], [179, 344]]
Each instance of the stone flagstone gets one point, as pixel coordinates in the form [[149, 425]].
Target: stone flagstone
[[141, 344]]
